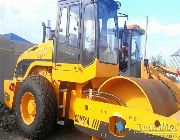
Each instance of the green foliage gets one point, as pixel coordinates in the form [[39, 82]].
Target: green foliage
[[158, 60]]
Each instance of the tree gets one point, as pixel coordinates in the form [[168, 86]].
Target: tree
[[158, 60]]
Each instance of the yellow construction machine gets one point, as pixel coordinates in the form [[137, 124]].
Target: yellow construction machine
[[136, 67], [74, 76]]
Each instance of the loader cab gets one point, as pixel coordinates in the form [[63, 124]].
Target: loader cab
[[132, 36], [83, 33]]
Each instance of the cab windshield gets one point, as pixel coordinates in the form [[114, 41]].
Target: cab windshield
[[108, 41]]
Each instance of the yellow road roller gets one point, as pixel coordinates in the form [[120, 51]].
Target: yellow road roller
[[73, 77]]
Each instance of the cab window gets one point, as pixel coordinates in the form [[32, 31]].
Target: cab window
[[89, 35], [73, 26], [63, 24]]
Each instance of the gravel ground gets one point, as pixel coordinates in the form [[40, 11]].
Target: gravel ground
[[9, 129]]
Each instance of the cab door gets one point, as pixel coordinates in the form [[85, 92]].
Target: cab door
[[67, 41]]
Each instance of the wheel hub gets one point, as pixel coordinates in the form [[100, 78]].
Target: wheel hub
[[28, 108], [31, 107]]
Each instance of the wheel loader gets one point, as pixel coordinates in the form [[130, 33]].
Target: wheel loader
[[74, 76]]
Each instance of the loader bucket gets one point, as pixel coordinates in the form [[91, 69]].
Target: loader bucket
[[141, 94]]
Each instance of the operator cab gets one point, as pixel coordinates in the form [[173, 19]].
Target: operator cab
[[131, 36], [84, 32]]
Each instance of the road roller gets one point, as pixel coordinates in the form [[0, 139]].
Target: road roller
[[73, 77]]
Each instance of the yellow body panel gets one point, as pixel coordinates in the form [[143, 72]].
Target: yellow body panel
[[137, 120], [43, 51], [9, 95], [79, 74]]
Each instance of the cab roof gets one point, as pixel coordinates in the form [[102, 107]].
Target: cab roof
[[137, 28], [110, 2]]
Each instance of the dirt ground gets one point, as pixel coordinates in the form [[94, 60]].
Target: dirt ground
[[9, 129]]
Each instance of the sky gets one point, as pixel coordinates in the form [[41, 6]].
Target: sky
[[24, 18], [164, 24]]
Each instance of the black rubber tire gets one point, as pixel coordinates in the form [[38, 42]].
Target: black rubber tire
[[45, 100]]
